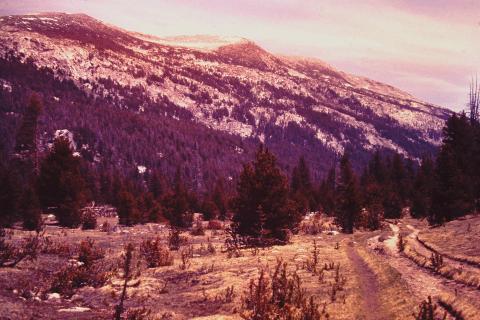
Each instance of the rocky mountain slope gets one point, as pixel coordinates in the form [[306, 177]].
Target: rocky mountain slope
[[231, 90]]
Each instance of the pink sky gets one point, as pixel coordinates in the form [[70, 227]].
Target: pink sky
[[430, 48]]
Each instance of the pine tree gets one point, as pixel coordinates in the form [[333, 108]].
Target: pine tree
[[399, 178], [454, 193], [348, 197], [9, 190], [423, 188], [373, 197], [29, 208], [26, 139], [60, 184], [209, 209], [262, 185], [23, 171], [176, 204], [127, 210], [327, 192], [220, 200], [377, 168], [151, 209], [157, 184], [301, 187]]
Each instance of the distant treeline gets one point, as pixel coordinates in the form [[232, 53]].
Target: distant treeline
[[264, 202]]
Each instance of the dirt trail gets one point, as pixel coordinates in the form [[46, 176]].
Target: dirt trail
[[422, 282], [369, 287]]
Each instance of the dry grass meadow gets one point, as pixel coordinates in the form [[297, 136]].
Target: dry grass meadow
[[360, 276]]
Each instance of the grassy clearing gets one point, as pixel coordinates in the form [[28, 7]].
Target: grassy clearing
[[202, 280], [473, 261], [198, 280], [456, 239], [436, 264]]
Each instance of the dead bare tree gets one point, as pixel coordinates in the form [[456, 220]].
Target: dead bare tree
[[126, 275], [474, 101]]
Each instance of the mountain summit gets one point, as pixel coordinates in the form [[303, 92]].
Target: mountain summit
[[166, 95]]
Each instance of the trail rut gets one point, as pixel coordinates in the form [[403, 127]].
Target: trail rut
[[369, 287]]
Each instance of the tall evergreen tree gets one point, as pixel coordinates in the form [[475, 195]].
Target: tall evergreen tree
[[219, 198], [454, 193], [29, 208], [301, 187], [377, 168], [127, 209], [151, 210], [61, 185], [262, 185], [348, 197], [176, 204], [157, 184], [423, 188], [327, 192], [9, 190], [24, 166], [26, 139]]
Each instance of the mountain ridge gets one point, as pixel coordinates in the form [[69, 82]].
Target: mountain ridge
[[293, 105]]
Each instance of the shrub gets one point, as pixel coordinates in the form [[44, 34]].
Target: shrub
[[186, 254], [312, 226], [11, 255], [232, 244], [88, 253], [436, 261], [138, 314], [85, 271], [282, 298], [174, 239], [370, 218], [428, 311], [89, 219], [56, 247], [198, 229], [312, 264], [400, 243], [106, 227], [155, 254], [215, 225]]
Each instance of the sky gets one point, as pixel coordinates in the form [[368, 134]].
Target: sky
[[429, 48]]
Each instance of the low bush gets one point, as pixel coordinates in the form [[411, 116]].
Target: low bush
[[11, 255], [400, 243], [89, 219], [436, 261], [428, 311], [106, 227], [86, 270], [59, 248], [155, 254], [198, 229], [186, 254], [174, 239], [281, 298], [88, 253], [215, 225]]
